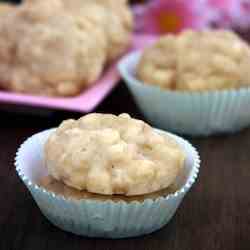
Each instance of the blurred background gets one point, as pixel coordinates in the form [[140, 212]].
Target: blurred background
[[162, 16], [157, 17]]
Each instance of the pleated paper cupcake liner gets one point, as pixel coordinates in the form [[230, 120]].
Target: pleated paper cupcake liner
[[191, 113], [105, 219]]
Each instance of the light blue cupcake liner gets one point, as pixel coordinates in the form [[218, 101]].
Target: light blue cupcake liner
[[196, 113], [106, 219]]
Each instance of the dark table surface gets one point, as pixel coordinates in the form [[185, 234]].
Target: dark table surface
[[214, 215]]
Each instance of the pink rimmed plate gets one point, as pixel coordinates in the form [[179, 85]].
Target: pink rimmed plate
[[87, 100]]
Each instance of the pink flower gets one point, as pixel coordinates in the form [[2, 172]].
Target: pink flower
[[242, 20], [138, 11], [163, 16], [225, 12], [224, 5], [232, 13]]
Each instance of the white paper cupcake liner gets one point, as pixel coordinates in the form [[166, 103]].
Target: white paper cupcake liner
[[196, 113], [106, 219]]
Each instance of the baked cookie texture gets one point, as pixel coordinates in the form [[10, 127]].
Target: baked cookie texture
[[5, 8], [48, 52], [50, 48], [117, 23], [158, 64], [197, 61], [59, 188], [108, 154], [119, 28]]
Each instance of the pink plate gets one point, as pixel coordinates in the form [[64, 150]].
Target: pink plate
[[87, 100]]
